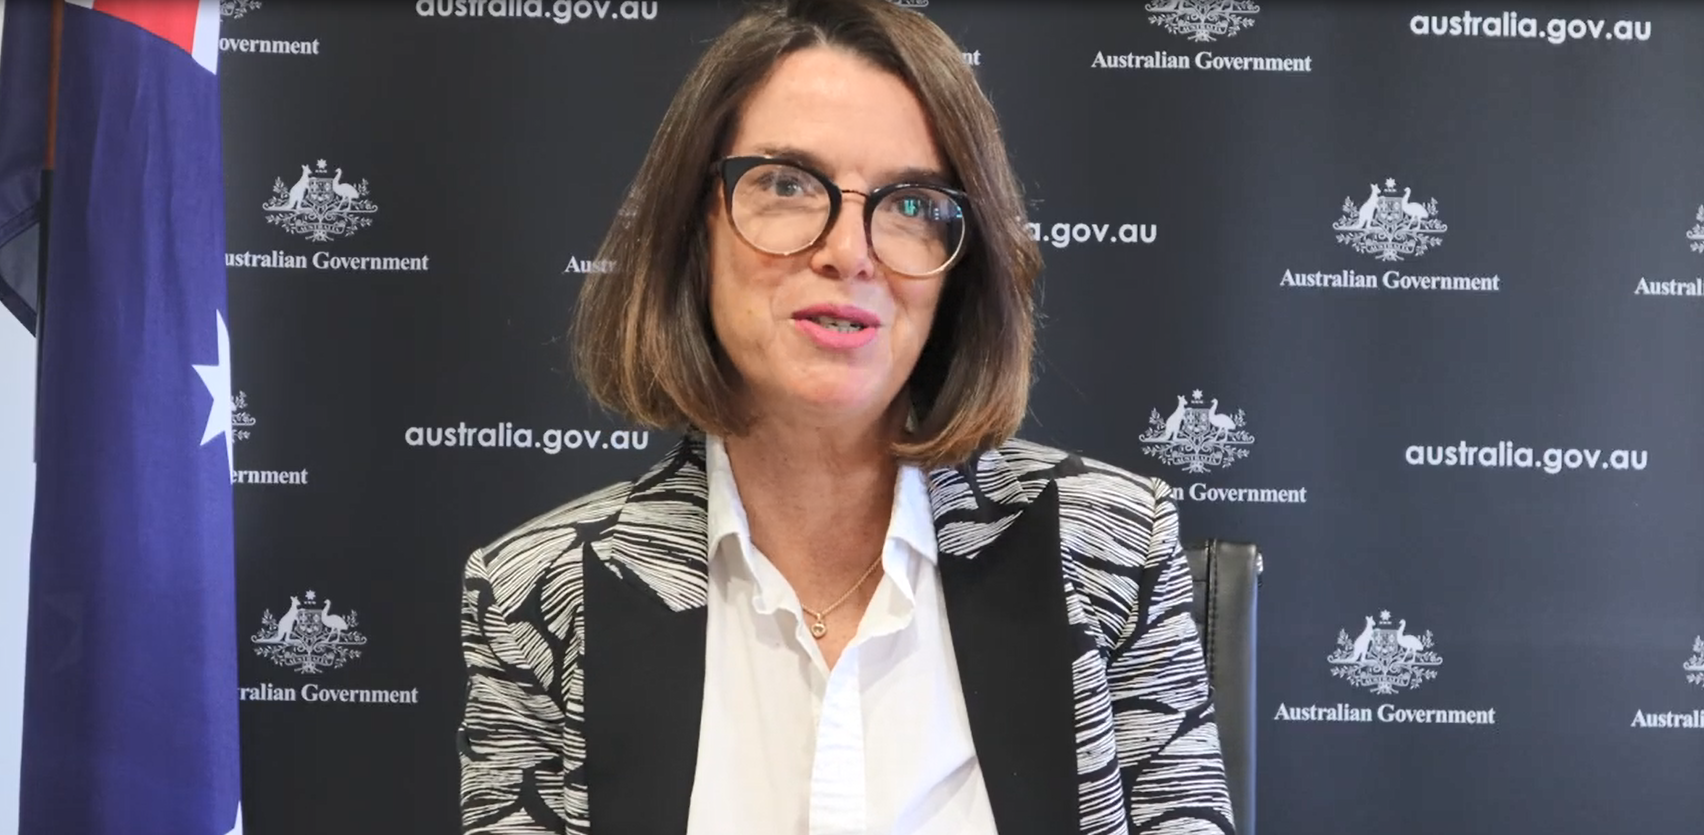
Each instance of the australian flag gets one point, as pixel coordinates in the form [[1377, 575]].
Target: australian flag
[[130, 688]]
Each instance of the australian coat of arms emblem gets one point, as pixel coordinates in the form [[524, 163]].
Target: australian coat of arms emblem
[[320, 206], [237, 8], [1197, 437], [1389, 225], [308, 638], [1383, 658], [1202, 20]]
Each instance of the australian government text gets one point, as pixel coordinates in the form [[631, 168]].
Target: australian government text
[[1385, 713], [1392, 280], [1203, 60], [280, 260]]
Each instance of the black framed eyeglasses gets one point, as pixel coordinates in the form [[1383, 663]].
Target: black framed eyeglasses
[[784, 208]]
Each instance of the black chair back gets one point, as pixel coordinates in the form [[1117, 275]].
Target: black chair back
[[1227, 584]]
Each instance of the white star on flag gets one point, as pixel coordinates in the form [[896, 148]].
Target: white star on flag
[[237, 828], [217, 379]]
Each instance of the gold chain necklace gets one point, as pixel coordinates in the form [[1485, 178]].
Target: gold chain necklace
[[819, 628]]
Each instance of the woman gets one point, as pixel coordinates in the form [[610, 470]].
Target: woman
[[848, 601]]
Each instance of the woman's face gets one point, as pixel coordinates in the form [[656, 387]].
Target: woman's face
[[863, 128]]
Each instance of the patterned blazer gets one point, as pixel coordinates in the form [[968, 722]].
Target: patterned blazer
[[1067, 600]]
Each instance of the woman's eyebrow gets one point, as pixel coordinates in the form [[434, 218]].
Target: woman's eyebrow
[[909, 174]]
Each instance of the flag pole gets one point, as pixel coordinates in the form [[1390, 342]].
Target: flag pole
[[44, 206]]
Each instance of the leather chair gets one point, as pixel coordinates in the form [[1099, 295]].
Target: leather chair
[[1227, 583]]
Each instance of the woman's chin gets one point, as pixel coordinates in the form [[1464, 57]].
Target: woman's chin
[[839, 398]]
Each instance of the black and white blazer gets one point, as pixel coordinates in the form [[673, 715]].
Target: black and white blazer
[[1067, 599]]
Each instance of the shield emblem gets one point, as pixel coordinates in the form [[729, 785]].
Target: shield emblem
[[319, 193], [1384, 646]]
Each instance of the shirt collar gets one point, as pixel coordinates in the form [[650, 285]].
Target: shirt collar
[[911, 520], [726, 514]]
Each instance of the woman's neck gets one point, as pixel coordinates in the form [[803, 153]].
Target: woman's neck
[[817, 498]]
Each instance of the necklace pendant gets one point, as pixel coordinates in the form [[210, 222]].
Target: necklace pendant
[[819, 629]]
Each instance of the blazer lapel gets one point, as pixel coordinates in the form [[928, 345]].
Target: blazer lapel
[[645, 615], [1002, 577]]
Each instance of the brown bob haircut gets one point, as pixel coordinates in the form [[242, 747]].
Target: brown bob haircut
[[643, 344]]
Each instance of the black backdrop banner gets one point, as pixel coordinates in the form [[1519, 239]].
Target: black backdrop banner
[[1409, 295]]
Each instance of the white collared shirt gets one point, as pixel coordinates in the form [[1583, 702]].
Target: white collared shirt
[[879, 744]]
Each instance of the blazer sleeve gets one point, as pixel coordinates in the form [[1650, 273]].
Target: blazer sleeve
[[1168, 743], [511, 768]]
